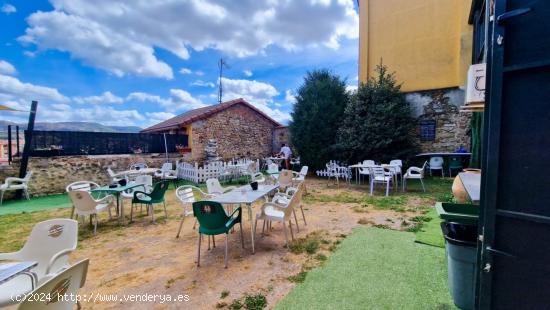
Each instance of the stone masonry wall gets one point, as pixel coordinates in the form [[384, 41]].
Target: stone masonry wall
[[452, 126], [280, 135], [52, 175], [239, 131]]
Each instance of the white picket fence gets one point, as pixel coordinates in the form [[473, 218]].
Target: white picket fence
[[194, 173]]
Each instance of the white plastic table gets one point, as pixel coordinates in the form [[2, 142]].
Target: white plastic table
[[9, 271], [116, 191], [472, 185], [136, 172], [245, 195]]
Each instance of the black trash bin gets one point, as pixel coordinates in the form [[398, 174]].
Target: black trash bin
[[460, 247]]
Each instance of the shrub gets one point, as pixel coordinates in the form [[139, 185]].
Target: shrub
[[317, 114], [378, 122]]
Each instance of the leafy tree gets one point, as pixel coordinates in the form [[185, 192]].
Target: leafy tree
[[317, 114], [378, 123]]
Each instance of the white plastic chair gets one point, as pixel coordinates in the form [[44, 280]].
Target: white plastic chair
[[186, 194], [214, 187], [257, 177], [113, 176], [86, 186], [415, 173], [59, 288], [300, 176], [13, 184], [279, 213], [49, 244], [138, 166], [378, 175], [365, 171], [436, 163], [397, 166], [85, 204], [284, 198], [166, 167]]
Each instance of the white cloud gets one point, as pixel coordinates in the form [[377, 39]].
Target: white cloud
[[179, 100], [8, 8], [6, 68], [248, 73], [121, 37], [157, 117], [14, 88], [101, 114], [199, 73], [94, 43], [202, 83], [290, 97], [259, 94], [185, 71], [106, 97]]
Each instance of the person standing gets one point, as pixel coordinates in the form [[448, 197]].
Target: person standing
[[286, 152]]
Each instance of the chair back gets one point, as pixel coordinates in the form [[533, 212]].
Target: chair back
[[285, 178], [186, 193], [138, 166], [210, 214], [436, 162], [160, 188], [27, 177], [423, 168], [294, 202], [369, 162], [272, 168], [303, 171], [146, 180], [59, 289], [377, 171], [86, 186], [166, 167], [82, 201], [111, 172], [214, 187], [48, 238], [396, 162]]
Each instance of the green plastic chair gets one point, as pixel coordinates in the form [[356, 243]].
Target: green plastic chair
[[455, 163], [155, 196], [214, 221]]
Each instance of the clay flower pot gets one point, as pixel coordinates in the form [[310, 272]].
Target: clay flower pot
[[460, 194]]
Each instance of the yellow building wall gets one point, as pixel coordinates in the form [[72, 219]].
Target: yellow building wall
[[428, 43]]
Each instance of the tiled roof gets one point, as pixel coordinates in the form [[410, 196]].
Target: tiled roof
[[202, 113]]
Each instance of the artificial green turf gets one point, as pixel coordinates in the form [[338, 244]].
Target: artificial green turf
[[35, 204], [430, 233], [376, 269]]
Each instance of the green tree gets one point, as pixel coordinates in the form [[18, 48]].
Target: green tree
[[378, 123], [317, 114]]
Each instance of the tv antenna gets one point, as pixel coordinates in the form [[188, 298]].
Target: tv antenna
[[221, 65]]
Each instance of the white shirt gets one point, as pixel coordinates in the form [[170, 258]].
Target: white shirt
[[285, 150]]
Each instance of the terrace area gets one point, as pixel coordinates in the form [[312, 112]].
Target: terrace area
[[355, 247]]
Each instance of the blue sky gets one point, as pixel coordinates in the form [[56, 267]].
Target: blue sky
[[116, 64]]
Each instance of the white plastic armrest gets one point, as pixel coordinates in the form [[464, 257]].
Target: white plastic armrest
[[9, 256], [414, 169], [56, 257], [12, 180]]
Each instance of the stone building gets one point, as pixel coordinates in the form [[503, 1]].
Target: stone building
[[239, 128], [428, 44]]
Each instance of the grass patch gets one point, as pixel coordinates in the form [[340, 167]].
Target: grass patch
[[321, 257], [255, 302], [430, 233], [395, 203], [224, 294], [298, 278], [343, 197], [309, 244], [376, 269]]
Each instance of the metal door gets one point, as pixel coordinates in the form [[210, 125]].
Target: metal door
[[514, 269]]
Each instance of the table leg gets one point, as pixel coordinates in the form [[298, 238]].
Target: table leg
[[249, 207], [121, 206]]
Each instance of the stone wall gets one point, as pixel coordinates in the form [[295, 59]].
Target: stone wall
[[280, 135], [52, 175], [452, 126], [239, 132]]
